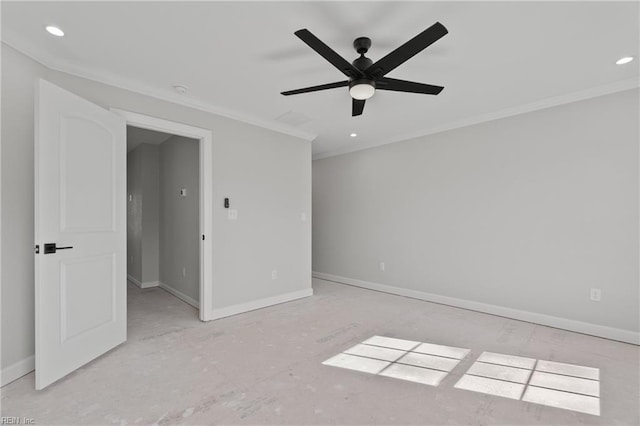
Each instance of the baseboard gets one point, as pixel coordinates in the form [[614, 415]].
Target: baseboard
[[17, 370], [258, 304], [147, 284], [134, 280], [180, 295], [621, 335]]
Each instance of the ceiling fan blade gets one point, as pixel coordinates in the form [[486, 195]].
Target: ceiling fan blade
[[316, 88], [407, 50], [329, 54], [357, 107], [386, 83]]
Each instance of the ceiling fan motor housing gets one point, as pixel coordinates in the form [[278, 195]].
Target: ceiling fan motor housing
[[362, 63], [359, 81], [362, 44]]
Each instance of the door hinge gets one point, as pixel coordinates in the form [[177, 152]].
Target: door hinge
[[37, 250], [202, 237]]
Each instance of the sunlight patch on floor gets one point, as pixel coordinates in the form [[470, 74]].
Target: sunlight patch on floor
[[418, 362], [566, 386]]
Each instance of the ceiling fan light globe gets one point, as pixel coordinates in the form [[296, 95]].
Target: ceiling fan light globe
[[362, 91]]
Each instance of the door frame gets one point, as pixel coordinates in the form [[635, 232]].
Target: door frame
[[205, 138]]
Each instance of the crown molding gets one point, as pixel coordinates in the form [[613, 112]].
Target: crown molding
[[14, 41], [593, 92]]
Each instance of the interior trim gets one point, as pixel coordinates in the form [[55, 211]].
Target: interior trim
[[12, 40], [259, 304], [593, 92], [180, 295], [627, 336], [17, 370], [137, 282], [205, 143]]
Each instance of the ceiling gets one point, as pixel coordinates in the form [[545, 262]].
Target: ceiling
[[237, 57], [137, 136]]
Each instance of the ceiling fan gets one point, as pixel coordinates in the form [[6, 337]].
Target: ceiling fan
[[364, 75]]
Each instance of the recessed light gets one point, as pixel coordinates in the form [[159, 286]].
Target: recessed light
[[353, 135], [624, 60], [180, 89], [54, 31]]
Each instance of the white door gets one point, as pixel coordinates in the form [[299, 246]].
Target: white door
[[80, 190]]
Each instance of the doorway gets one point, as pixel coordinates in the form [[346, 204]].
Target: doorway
[[163, 232], [178, 257], [80, 254]]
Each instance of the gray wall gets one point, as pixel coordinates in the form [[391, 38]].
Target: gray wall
[[134, 214], [150, 213], [142, 213], [527, 212], [180, 216], [164, 228], [266, 174], [18, 322]]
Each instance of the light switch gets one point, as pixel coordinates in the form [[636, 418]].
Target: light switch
[[233, 214]]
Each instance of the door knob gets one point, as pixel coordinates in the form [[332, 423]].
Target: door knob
[[50, 248]]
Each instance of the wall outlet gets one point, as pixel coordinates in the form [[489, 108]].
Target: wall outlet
[[233, 214], [596, 294], [184, 271], [274, 274], [381, 266]]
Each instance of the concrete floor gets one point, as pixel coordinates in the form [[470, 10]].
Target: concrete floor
[[265, 367]]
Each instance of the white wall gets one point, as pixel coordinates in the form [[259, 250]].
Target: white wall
[[17, 209], [179, 230], [266, 174], [150, 213], [143, 218], [134, 214], [520, 216]]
